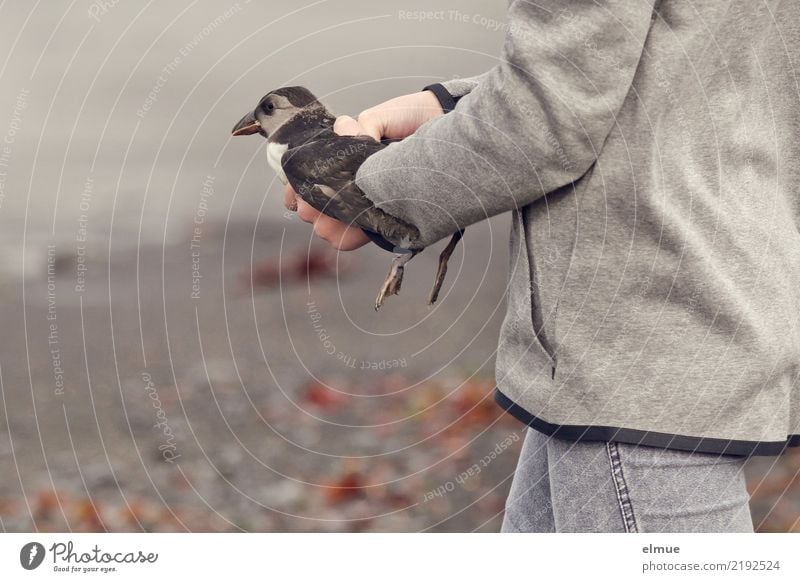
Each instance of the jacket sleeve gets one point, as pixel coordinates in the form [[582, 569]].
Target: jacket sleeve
[[449, 92], [535, 122], [460, 87]]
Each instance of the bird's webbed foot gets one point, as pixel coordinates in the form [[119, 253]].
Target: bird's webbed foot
[[444, 257], [391, 286]]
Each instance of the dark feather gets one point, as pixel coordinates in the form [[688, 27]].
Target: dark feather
[[322, 172], [309, 124]]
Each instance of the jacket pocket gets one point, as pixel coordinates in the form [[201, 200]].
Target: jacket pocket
[[543, 321], [545, 273], [524, 292]]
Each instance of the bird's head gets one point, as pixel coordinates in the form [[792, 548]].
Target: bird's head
[[274, 110]]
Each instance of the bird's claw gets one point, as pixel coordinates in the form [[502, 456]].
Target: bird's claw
[[391, 286], [441, 271]]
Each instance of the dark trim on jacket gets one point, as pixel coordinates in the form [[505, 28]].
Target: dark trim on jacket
[[446, 100], [573, 432]]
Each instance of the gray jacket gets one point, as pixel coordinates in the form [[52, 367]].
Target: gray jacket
[[649, 156]]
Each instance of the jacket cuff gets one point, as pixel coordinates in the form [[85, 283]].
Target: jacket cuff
[[446, 100]]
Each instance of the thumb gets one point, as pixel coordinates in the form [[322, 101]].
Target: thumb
[[346, 125]]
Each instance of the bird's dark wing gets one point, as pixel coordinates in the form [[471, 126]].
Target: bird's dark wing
[[322, 172]]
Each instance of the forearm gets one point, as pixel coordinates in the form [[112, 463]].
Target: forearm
[[532, 124]]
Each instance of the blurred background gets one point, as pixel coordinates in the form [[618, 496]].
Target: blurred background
[[177, 353]]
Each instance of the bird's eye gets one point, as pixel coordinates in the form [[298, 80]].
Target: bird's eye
[[270, 107]]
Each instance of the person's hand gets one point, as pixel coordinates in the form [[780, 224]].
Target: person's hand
[[395, 119], [399, 117]]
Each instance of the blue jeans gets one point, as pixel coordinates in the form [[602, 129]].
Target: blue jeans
[[563, 486]]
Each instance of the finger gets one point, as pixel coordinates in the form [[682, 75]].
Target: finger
[[290, 198], [338, 235], [324, 230], [329, 229], [372, 124], [306, 212], [351, 239], [346, 125]]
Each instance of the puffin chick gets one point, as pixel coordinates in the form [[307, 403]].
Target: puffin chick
[[321, 166]]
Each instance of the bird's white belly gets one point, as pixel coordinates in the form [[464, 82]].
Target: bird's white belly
[[275, 152]]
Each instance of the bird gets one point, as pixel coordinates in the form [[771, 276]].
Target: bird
[[305, 152]]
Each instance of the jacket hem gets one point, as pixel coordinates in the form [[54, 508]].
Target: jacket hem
[[574, 432]]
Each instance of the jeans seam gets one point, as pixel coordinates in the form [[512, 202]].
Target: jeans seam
[[621, 488], [512, 522]]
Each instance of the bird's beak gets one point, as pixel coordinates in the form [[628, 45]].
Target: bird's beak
[[247, 125]]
